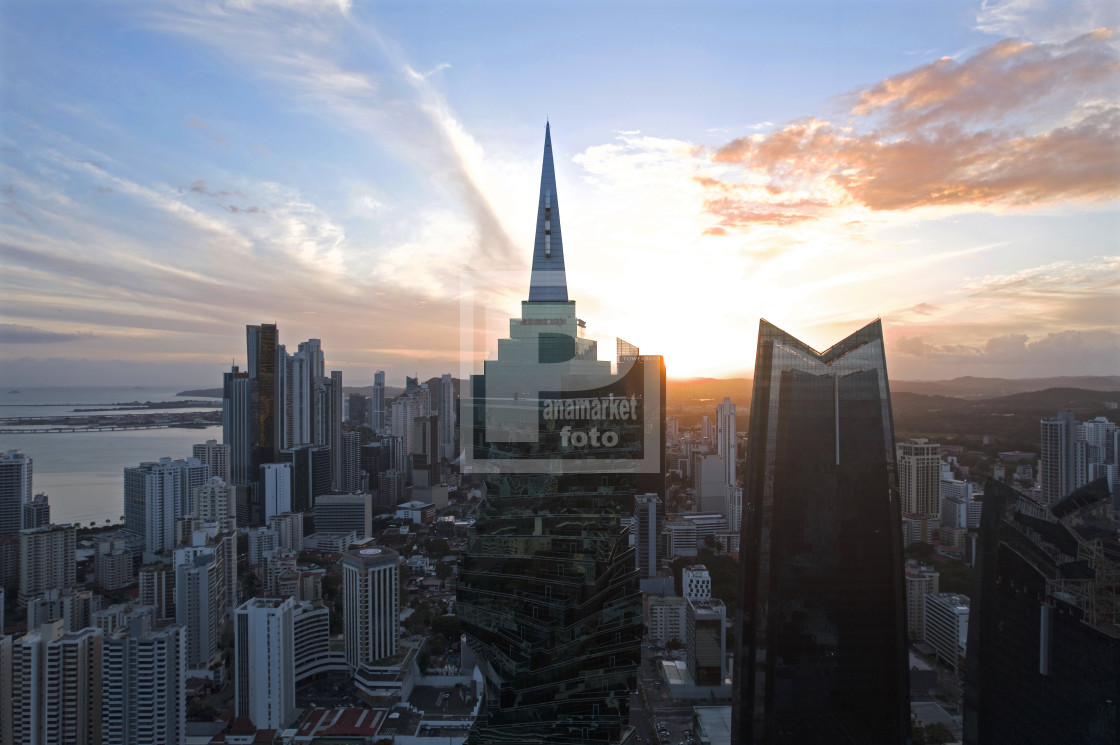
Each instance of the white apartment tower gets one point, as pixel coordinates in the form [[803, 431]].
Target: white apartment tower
[[371, 605], [216, 501], [144, 684], [46, 560], [921, 580], [214, 454], [155, 495], [56, 686], [276, 489], [264, 661], [919, 477]]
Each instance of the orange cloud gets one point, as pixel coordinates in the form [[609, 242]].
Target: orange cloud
[[1014, 124]]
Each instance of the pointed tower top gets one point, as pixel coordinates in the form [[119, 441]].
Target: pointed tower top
[[549, 283]]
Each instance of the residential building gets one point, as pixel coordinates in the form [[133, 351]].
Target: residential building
[[666, 618], [56, 686], [340, 513], [726, 439], [36, 512], [919, 477], [216, 455], [113, 564], [155, 495], [276, 489], [921, 580], [144, 685], [264, 662], [377, 403], [47, 560], [236, 429]]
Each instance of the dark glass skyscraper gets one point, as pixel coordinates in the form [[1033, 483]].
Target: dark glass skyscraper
[[822, 627], [1043, 661], [548, 588]]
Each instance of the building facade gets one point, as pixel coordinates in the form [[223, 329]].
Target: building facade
[[821, 527], [16, 471], [264, 660], [371, 605]]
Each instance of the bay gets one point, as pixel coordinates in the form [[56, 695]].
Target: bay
[[83, 472]]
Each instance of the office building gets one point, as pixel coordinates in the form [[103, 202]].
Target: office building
[[696, 582], [144, 684], [921, 580], [371, 605], [647, 508], [47, 560], [216, 455], [377, 403], [15, 490], [350, 480], [448, 395], [821, 528], [275, 487], [56, 686], [390, 488], [1042, 635], [711, 484], [552, 611], [706, 640], [342, 513], [264, 664], [155, 495], [264, 396], [36, 512], [946, 626], [311, 475], [666, 619], [425, 451]]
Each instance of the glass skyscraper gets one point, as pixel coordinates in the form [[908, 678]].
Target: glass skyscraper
[[548, 588], [1043, 661], [821, 631]]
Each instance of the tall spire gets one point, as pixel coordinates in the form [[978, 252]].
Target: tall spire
[[549, 283]]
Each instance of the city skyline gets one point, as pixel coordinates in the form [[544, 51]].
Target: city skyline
[[950, 168]]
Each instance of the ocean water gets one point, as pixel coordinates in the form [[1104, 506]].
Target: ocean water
[[83, 472]]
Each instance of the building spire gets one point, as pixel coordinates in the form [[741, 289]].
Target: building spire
[[549, 282]]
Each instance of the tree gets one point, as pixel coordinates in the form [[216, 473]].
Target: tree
[[443, 570], [673, 644]]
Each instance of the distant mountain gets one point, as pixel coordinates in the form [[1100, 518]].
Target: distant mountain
[[973, 387], [202, 393], [702, 391]]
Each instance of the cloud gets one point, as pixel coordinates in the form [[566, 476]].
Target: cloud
[[1016, 124], [197, 124], [1045, 20], [1097, 350], [12, 333]]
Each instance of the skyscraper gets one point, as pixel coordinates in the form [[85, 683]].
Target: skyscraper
[[15, 490], [36, 512], [47, 560], [447, 428], [144, 684], [236, 432], [56, 690], [377, 405], [1043, 663], [647, 508], [822, 630], [548, 588], [214, 454], [155, 495], [264, 424], [725, 438], [264, 662], [370, 606]]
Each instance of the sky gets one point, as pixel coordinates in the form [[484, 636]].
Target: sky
[[366, 173]]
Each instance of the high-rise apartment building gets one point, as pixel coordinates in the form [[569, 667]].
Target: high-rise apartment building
[[144, 684], [1074, 453], [350, 480], [370, 606], [215, 501], [821, 527], [113, 564], [377, 403], [552, 608], [56, 686], [15, 490], [205, 589], [157, 589], [155, 495], [216, 455], [919, 477], [46, 560], [1042, 633], [264, 663], [37, 512], [447, 417]]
